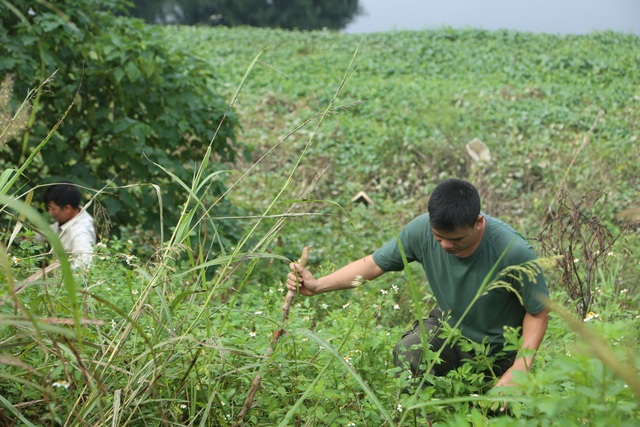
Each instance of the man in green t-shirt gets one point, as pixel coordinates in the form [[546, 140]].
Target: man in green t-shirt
[[460, 248]]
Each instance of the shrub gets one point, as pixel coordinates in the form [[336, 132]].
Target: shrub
[[133, 101]]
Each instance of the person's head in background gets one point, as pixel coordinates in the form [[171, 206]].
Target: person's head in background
[[63, 201]]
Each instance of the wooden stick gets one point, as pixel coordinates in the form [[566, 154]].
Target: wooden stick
[[63, 321], [274, 340], [289, 299]]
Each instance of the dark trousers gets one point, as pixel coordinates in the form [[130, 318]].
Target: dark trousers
[[408, 353]]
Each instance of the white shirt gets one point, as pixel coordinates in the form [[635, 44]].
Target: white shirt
[[77, 237]]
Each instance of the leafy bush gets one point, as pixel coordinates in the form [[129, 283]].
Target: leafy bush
[[135, 100]]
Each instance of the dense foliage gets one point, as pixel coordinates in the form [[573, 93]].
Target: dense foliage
[[154, 341], [135, 100]]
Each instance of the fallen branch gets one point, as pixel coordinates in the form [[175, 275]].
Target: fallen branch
[[41, 274]]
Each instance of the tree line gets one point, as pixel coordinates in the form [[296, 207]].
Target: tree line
[[286, 14]]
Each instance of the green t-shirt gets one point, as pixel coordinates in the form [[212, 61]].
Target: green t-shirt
[[455, 281]]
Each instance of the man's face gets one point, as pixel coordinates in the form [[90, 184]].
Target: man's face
[[462, 241], [60, 214]]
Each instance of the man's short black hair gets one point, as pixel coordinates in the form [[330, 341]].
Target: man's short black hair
[[63, 194], [454, 203]]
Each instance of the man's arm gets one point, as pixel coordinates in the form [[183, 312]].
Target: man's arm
[[534, 327], [347, 277]]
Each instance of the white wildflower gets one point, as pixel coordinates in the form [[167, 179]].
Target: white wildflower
[[252, 334], [399, 408], [384, 291], [61, 383]]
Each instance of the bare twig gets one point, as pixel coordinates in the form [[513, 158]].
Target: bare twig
[[577, 235], [255, 384]]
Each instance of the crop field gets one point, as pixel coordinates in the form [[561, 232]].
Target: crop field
[[183, 334]]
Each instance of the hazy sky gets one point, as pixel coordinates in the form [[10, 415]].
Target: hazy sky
[[550, 16]]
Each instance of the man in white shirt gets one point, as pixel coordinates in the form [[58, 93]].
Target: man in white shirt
[[73, 225]]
